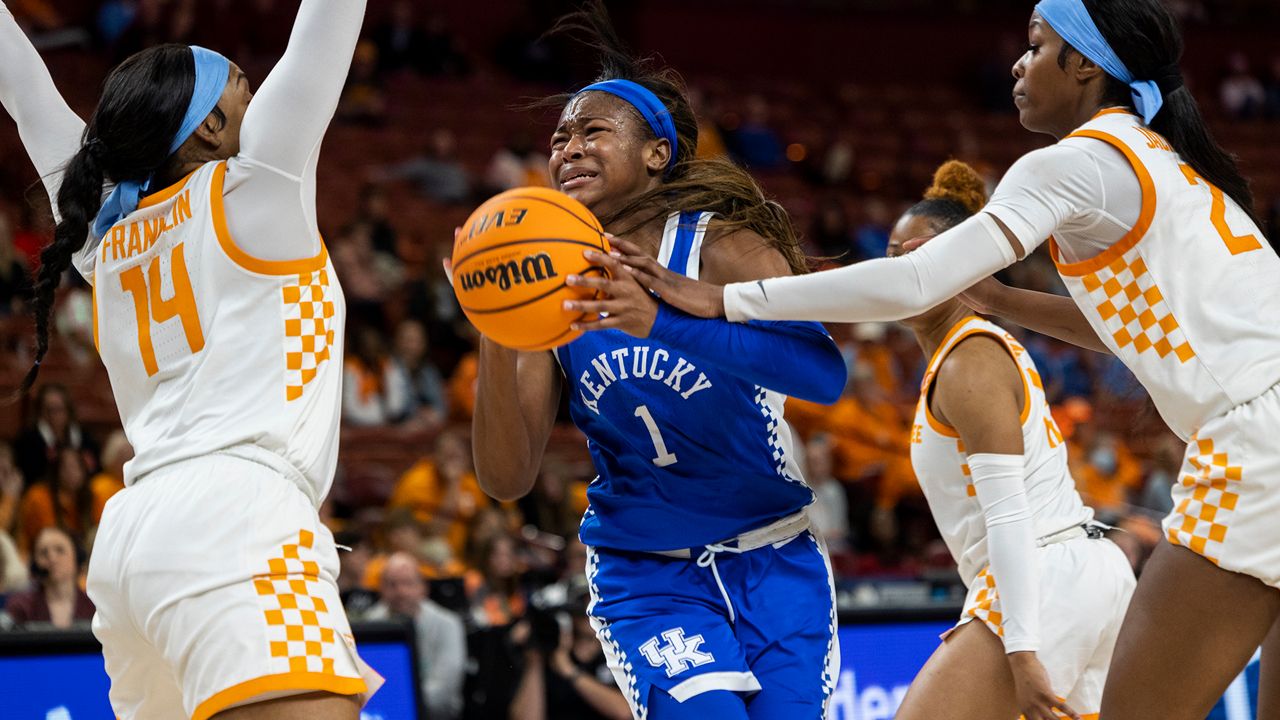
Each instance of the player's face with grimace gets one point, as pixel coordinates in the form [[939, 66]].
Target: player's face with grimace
[[603, 152]]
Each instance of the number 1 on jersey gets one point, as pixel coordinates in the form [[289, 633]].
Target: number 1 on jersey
[[665, 457], [148, 305]]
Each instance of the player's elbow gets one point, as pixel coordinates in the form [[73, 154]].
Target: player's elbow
[[505, 486]]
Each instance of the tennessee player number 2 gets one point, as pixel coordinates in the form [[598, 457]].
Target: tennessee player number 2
[[149, 306], [1236, 244]]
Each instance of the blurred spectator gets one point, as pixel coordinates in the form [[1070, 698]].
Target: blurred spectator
[[116, 451], [363, 101], [556, 503], [442, 490], [356, 598], [871, 438], [374, 214], [831, 235], [1240, 91], [442, 642], [426, 405], [54, 428], [114, 18], [402, 532], [435, 171], [871, 238], [493, 589], [516, 164], [754, 142], [1062, 368], [372, 393], [55, 599], [61, 499], [566, 676], [400, 40], [706, 109], [368, 276], [1166, 464], [830, 510], [1107, 474], [15, 284], [13, 570], [462, 387]]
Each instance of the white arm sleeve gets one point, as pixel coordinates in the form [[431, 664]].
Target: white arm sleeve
[[1054, 187], [1000, 486], [271, 185], [49, 129], [883, 289]]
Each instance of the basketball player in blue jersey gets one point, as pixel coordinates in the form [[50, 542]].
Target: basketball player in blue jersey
[[710, 595]]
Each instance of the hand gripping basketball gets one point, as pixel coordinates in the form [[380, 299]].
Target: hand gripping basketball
[[627, 305]]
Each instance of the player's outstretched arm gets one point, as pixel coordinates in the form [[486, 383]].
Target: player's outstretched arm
[[50, 130], [979, 392], [1048, 314], [288, 116]]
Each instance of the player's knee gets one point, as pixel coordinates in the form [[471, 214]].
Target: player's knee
[[719, 704]]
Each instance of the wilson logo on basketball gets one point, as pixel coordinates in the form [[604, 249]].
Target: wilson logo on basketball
[[531, 269]]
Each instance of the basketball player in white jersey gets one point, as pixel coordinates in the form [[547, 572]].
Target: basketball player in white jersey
[[1154, 235], [1048, 590], [220, 322]]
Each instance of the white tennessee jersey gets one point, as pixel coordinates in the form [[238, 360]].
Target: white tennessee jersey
[[210, 349], [1188, 299], [940, 461]]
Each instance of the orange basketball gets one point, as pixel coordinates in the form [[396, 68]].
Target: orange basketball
[[510, 261]]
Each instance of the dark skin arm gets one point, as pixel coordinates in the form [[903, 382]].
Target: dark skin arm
[[979, 392], [735, 256]]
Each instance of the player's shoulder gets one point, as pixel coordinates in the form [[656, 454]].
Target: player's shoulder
[[979, 361], [732, 253]]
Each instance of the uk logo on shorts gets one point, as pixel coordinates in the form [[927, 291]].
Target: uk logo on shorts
[[679, 654]]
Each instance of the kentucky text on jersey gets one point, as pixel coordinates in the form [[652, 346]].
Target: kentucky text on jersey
[[125, 241], [638, 363]]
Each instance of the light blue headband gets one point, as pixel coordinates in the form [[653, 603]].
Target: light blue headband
[[1072, 21], [212, 72], [650, 107]]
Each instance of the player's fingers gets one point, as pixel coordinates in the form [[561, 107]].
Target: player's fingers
[[591, 281], [587, 306], [1062, 707], [625, 247], [608, 262]]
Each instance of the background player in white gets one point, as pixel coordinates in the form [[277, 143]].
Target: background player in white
[[1154, 236], [220, 323], [1047, 590]]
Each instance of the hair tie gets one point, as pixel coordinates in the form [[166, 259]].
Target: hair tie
[[1169, 79]]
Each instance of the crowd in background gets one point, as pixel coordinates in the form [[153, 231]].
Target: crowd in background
[[492, 585]]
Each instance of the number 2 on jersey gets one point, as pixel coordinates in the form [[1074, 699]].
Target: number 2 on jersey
[[665, 457], [149, 306], [1236, 244]]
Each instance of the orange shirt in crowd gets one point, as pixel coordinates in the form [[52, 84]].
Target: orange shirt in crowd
[[1106, 492], [103, 486], [37, 513], [462, 387], [421, 491]]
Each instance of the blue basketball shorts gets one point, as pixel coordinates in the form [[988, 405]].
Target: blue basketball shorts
[[761, 624]]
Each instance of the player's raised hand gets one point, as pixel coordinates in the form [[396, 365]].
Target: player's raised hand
[[695, 297], [627, 306], [1035, 697]]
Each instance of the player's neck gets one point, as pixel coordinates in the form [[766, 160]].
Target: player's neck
[[648, 236], [932, 327]]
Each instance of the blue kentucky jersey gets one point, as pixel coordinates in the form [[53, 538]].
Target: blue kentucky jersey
[[687, 454]]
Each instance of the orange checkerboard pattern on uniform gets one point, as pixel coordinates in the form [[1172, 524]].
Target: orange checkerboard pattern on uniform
[[983, 602], [300, 633], [1200, 520], [964, 468], [308, 329], [1134, 311]]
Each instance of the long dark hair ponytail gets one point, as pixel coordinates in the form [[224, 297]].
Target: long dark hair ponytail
[[1146, 37], [143, 102], [717, 186]]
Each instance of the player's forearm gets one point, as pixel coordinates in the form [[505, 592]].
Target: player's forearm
[[883, 289], [289, 114], [606, 700], [1048, 314], [49, 129], [507, 443], [999, 485]]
